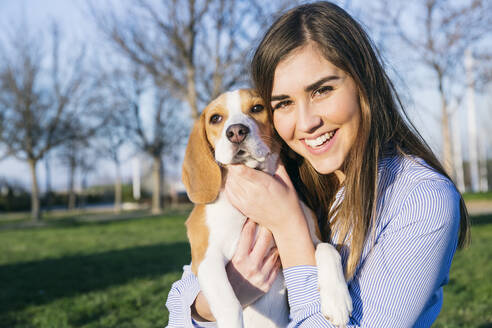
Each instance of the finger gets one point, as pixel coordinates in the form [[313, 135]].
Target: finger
[[234, 192], [246, 174], [237, 184], [282, 175], [233, 184], [274, 273], [264, 241], [270, 262], [246, 239]]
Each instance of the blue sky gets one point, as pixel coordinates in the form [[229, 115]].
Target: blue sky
[[76, 25]]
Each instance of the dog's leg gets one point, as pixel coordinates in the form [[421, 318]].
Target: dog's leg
[[336, 303], [218, 291]]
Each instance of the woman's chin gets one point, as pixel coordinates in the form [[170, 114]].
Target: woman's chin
[[324, 166]]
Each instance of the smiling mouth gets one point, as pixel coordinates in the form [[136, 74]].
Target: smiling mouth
[[321, 140]]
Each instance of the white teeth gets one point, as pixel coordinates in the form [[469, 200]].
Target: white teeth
[[319, 140]]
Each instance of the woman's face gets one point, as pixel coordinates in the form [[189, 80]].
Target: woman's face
[[316, 108]]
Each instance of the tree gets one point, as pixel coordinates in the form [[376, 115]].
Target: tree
[[150, 116], [36, 101], [194, 49], [437, 33], [109, 142], [75, 155]]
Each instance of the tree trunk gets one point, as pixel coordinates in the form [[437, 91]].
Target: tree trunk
[[71, 183], [459, 176], [157, 185], [48, 182], [174, 195], [117, 189], [192, 93], [447, 155], [35, 211], [83, 197], [446, 141]]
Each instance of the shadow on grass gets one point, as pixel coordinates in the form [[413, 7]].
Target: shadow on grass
[[486, 325], [81, 218], [41, 282], [480, 220]]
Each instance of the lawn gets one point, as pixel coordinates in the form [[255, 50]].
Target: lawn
[[91, 274], [468, 296], [78, 273]]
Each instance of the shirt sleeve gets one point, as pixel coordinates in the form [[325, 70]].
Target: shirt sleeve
[[400, 280], [179, 300]]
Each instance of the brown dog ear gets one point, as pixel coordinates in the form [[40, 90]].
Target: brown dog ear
[[201, 174]]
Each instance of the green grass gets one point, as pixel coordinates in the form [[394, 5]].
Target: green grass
[[23, 219], [91, 274], [477, 196], [468, 296], [78, 273]]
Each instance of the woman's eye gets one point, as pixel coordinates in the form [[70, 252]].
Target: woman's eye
[[282, 104], [322, 90], [216, 118], [257, 108]]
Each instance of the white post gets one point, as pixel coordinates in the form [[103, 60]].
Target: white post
[[457, 152], [484, 183], [136, 178], [472, 125]]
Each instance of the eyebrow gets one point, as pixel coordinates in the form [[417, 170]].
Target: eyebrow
[[309, 88], [320, 82]]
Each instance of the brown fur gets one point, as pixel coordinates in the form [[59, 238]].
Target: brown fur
[[198, 236], [201, 174]]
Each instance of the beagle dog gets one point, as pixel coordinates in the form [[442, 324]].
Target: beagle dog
[[236, 128]]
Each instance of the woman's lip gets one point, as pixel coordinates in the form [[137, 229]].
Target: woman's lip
[[324, 148], [319, 135]]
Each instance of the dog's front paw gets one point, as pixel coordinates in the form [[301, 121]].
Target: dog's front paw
[[336, 304], [231, 320], [227, 324]]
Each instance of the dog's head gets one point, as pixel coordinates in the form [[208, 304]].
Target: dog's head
[[234, 128]]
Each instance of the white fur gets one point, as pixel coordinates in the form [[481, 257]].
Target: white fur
[[225, 224], [253, 144]]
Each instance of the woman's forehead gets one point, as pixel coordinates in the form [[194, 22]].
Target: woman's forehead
[[301, 68]]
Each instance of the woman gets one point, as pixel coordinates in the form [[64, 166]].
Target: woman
[[349, 152]]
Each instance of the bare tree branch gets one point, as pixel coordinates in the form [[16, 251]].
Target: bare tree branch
[[41, 107], [195, 49], [436, 34]]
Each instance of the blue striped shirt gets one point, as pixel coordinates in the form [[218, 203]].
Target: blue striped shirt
[[399, 279]]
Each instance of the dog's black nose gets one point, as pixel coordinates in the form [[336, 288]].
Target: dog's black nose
[[236, 133]]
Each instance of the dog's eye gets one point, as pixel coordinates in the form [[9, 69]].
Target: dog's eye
[[257, 108], [216, 118]]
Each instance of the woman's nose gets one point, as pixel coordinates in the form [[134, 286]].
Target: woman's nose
[[307, 120]]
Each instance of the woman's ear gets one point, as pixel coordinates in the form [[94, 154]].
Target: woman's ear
[[201, 174]]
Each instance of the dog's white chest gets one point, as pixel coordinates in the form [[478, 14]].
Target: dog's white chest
[[225, 223]]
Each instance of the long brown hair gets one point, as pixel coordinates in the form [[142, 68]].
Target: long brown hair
[[384, 124]]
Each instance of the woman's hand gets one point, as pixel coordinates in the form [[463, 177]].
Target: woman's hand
[[255, 265], [251, 271], [270, 201]]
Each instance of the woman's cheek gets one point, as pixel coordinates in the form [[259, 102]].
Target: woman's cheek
[[284, 125]]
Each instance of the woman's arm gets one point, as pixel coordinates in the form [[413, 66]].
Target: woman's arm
[[182, 294], [400, 280]]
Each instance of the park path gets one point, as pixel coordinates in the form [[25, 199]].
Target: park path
[[479, 207]]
